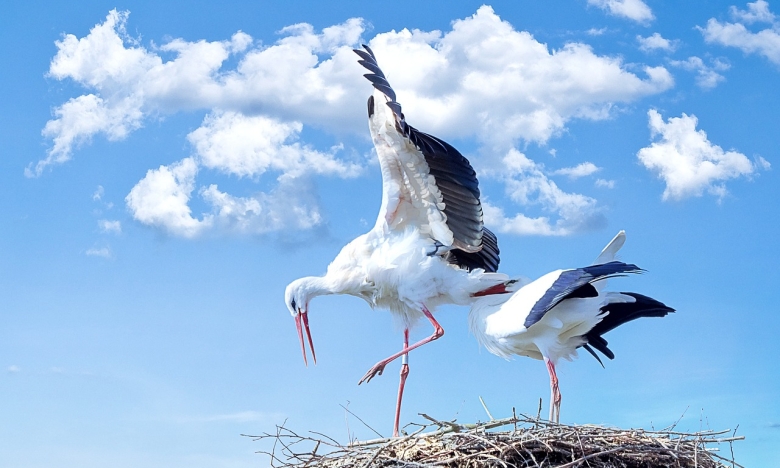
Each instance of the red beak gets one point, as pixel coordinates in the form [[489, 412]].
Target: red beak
[[305, 317]]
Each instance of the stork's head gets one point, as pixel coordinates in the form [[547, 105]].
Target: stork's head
[[297, 296]]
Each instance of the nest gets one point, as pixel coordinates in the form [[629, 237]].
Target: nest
[[531, 442]]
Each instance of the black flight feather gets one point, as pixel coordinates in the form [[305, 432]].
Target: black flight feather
[[618, 313], [487, 258]]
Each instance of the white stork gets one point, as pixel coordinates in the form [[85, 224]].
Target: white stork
[[428, 246], [549, 318]]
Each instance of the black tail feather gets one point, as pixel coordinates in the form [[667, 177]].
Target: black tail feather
[[619, 313]]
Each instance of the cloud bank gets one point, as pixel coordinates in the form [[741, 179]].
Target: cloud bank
[[482, 79]]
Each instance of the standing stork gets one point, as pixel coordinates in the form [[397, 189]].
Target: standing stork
[[428, 246], [549, 318]]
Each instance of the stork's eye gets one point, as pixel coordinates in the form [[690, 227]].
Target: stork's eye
[[292, 304]]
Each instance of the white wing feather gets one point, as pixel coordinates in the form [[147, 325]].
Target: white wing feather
[[410, 197]]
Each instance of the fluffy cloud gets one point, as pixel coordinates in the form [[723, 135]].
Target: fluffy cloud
[[486, 79], [291, 206], [162, 200], [757, 12], [707, 77], [131, 83], [580, 170], [635, 10], [656, 42], [482, 79], [765, 42], [686, 160], [528, 186], [251, 145]]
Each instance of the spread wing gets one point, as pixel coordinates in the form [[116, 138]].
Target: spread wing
[[427, 183]]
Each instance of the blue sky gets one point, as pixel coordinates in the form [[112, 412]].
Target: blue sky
[[167, 168]]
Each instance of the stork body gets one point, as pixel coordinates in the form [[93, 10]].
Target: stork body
[[549, 318], [428, 246]]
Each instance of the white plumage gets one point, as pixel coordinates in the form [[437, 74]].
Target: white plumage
[[428, 246], [549, 318]]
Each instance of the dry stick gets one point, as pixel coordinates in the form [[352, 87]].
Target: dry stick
[[358, 418], [731, 447], [335, 442], [539, 411], [486, 409], [679, 419]]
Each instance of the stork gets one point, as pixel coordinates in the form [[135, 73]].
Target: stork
[[549, 318], [429, 245]]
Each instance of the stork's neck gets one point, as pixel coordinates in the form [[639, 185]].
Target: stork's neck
[[329, 284], [314, 286]]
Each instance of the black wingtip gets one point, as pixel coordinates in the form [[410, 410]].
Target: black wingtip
[[593, 353]]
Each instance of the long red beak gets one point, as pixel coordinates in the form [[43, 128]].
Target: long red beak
[[305, 317]]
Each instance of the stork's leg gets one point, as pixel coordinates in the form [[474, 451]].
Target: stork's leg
[[404, 374], [379, 367], [555, 392]]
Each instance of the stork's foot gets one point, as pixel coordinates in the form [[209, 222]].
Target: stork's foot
[[378, 368]]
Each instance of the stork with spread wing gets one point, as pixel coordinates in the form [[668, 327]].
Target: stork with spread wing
[[429, 245]]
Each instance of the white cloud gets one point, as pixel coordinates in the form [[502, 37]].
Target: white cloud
[[580, 170], [528, 186], [635, 10], [99, 192], [292, 205], [14, 369], [103, 252], [161, 199], [251, 145], [656, 42], [686, 160], [110, 227], [757, 12], [82, 117], [131, 83], [244, 146], [596, 31], [765, 42], [603, 183], [486, 79], [483, 79], [707, 77]]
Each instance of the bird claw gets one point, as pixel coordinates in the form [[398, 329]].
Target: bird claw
[[374, 371]]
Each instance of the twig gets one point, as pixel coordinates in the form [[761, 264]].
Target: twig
[[358, 418], [486, 409]]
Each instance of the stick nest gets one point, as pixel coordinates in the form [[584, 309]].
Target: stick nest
[[530, 443]]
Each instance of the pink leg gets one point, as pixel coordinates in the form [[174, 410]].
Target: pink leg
[[379, 367], [404, 374], [555, 393]]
